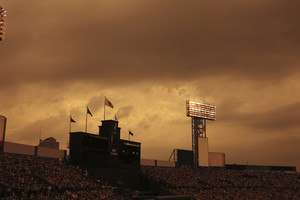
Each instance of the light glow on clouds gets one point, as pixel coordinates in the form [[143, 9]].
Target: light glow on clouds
[[149, 57]]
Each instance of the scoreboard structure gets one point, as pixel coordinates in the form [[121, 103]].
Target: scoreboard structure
[[106, 155], [105, 149], [199, 112]]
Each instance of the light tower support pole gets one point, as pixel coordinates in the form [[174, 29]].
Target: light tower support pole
[[199, 112], [198, 130]]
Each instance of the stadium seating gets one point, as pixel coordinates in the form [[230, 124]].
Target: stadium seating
[[212, 183], [30, 177]]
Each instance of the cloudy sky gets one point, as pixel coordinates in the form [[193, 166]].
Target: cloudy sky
[[148, 57]]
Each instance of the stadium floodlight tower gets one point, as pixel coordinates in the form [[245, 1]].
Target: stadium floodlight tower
[[2, 22], [199, 112]]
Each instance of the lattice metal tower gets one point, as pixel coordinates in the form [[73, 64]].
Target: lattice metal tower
[[198, 130], [199, 113]]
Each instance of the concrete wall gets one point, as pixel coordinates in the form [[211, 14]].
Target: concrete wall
[[216, 159], [50, 153], [159, 163], [147, 162], [11, 147], [163, 163], [203, 152]]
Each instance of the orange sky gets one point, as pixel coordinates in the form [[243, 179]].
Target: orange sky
[[148, 57]]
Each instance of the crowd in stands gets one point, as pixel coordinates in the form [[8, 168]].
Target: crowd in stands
[[30, 177], [211, 183]]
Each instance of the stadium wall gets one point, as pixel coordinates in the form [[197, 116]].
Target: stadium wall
[[148, 162], [216, 159], [260, 167], [159, 163], [11, 147], [163, 163], [50, 153]]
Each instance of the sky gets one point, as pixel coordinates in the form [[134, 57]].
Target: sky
[[148, 57]]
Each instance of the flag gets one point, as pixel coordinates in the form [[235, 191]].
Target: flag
[[130, 133], [108, 103], [88, 111], [116, 117], [115, 127], [72, 120]]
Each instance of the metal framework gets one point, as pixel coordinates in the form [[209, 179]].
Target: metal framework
[[173, 154], [199, 112], [198, 130]]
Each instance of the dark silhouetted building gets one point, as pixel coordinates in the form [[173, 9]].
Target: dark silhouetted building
[[106, 155]]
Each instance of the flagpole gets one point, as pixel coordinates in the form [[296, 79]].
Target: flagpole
[[86, 121], [70, 124], [104, 107], [40, 133]]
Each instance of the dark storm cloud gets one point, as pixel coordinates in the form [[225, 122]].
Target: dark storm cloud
[[259, 150], [124, 112], [61, 56], [127, 41], [49, 127], [96, 103], [281, 118]]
